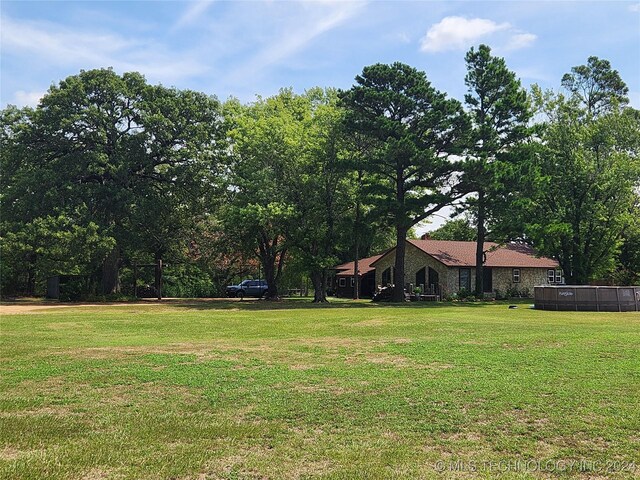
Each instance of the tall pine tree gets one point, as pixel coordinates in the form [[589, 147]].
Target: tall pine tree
[[499, 113], [414, 129]]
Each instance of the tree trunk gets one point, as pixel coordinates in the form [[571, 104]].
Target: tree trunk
[[480, 245], [356, 276], [319, 286], [31, 283], [576, 276], [30, 287], [268, 264], [356, 266], [272, 263], [398, 277], [111, 272], [325, 282]]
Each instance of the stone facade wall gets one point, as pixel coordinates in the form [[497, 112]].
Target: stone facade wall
[[529, 278], [382, 264], [502, 279], [416, 259]]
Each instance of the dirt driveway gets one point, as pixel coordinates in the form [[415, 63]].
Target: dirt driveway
[[34, 305]]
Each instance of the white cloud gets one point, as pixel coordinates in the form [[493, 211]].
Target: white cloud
[[534, 74], [58, 44], [398, 37], [27, 99], [300, 29], [83, 49], [454, 33], [192, 13], [459, 33], [635, 7], [520, 40]]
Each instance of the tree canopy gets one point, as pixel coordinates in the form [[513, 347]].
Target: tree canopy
[[596, 86], [108, 172], [114, 152], [414, 130], [586, 192], [460, 229]]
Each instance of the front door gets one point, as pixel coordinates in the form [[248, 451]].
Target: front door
[[487, 280]]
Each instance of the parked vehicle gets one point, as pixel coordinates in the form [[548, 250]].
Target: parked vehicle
[[248, 288]]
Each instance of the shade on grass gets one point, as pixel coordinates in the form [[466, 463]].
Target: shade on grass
[[350, 390]]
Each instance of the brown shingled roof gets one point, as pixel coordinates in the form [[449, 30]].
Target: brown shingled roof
[[463, 254], [364, 265]]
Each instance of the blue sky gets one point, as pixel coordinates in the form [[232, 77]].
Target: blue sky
[[246, 48]]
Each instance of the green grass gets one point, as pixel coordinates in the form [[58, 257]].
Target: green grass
[[292, 390]]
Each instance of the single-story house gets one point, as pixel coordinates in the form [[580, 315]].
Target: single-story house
[[444, 267], [344, 278]]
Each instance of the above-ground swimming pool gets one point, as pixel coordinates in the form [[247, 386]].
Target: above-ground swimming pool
[[587, 298]]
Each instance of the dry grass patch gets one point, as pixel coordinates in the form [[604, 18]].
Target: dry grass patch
[[100, 474], [49, 411], [372, 322], [9, 453], [150, 392], [401, 361]]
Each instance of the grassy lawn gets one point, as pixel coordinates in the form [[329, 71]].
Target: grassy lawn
[[351, 390]]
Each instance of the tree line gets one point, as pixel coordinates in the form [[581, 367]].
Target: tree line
[[109, 171]]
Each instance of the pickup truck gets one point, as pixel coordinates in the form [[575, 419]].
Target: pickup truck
[[248, 288]]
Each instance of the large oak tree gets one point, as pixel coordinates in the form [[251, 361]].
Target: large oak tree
[[585, 199], [114, 151]]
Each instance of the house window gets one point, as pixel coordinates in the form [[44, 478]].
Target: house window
[[551, 276], [558, 276], [386, 277], [353, 281], [516, 275], [342, 282], [464, 279]]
